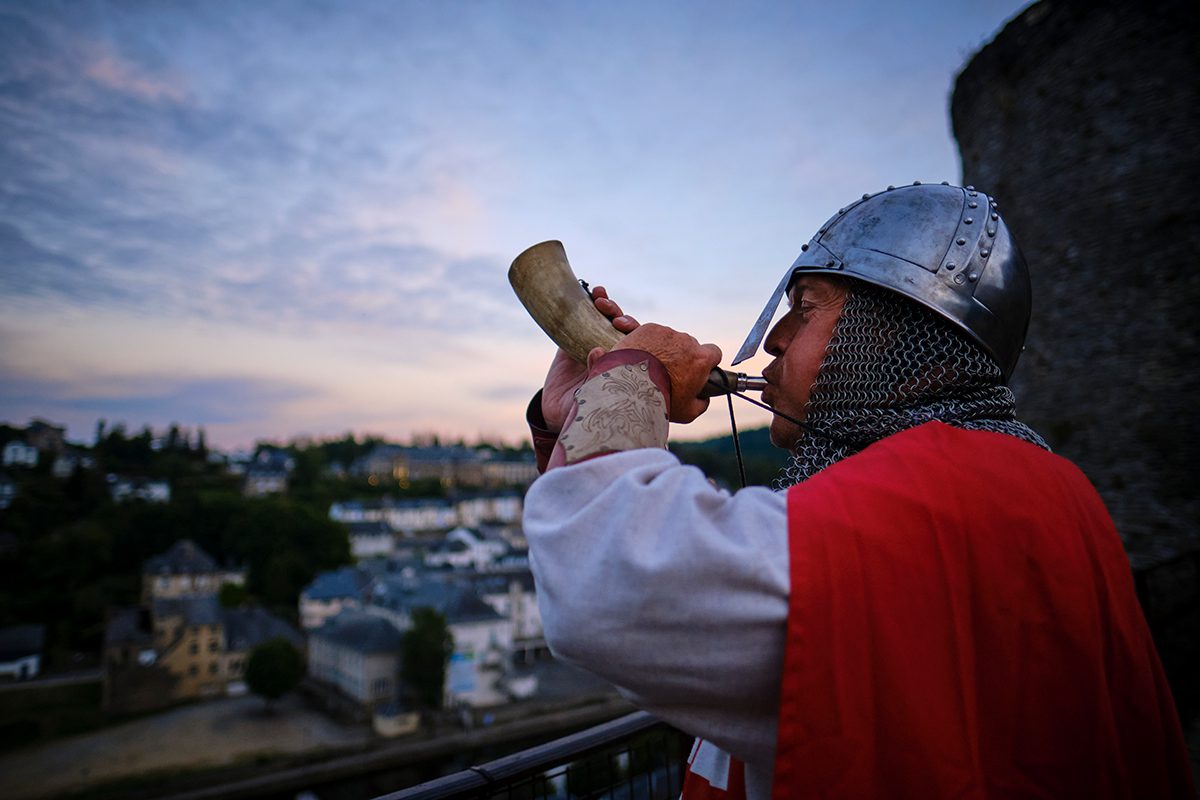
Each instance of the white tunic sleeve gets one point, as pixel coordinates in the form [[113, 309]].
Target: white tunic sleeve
[[671, 589]]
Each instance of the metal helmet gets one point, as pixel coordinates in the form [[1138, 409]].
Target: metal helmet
[[944, 246]]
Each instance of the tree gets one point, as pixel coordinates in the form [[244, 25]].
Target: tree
[[273, 669], [232, 595], [426, 651]]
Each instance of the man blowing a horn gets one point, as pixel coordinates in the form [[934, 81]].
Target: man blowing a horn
[[934, 606]]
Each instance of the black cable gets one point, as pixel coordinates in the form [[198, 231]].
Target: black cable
[[803, 426], [737, 446]]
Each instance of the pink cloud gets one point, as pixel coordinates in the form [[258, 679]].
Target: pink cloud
[[112, 72]]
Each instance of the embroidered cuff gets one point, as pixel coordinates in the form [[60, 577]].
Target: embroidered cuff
[[623, 405]]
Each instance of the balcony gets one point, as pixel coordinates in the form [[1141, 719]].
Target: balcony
[[636, 757]]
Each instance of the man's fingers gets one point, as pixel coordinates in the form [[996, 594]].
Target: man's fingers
[[625, 323], [594, 355], [607, 307]]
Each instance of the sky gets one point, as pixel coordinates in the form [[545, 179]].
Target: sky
[[279, 219]]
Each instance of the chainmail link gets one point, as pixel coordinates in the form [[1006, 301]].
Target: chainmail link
[[892, 365]]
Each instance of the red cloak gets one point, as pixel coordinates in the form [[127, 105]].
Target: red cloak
[[963, 623]]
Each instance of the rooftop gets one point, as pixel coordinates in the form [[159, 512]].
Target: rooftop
[[247, 628], [362, 632], [183, 558], [455, 600], [337, 584], [202, 610]]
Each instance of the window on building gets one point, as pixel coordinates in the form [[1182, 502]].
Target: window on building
[[193, 648], [212, 668], [213, 646], [192, 670]]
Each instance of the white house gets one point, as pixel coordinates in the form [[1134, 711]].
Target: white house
[[482, 637], [19, 454], [185, 570], [126, 489], [359, 654], [262, 481], [465, 549], [421, 514], [67, 462], [371, 539], [330, 593], [513, 595], [489, 507], [8, 491], [410, 515]]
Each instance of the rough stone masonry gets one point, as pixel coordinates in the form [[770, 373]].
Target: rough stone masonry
[[1082, 119]]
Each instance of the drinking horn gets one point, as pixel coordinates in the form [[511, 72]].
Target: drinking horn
[[542, 278]]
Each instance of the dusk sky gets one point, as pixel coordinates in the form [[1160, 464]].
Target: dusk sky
[[273, 219]]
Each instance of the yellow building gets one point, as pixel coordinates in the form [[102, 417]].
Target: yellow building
[[182, 643]]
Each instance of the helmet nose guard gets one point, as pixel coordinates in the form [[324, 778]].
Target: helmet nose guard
[[946, 247]]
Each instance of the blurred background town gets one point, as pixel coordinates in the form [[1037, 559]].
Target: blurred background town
[[232, 232]]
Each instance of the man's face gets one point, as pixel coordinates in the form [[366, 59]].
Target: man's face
[[798, 344]]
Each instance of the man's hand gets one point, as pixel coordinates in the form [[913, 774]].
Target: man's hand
[[687, 361], [566, 374]]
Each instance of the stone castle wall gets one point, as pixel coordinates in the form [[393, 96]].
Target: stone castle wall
[[1082, 119]]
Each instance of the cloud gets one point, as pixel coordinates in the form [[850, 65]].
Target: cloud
[[156, 400], [113, 73], [28, 270], [265, 204]]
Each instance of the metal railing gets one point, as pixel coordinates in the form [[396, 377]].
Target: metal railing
[[636, 757]]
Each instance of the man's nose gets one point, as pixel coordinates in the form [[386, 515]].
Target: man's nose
[[776, 341]]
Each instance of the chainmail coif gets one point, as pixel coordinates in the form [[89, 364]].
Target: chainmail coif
[[892, 365]]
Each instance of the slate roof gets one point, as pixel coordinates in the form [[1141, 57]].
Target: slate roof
[[127, 626], [381, 566], [201, 610], [247, 628], [375, 528], [361, 632], [497, 582], [457, 601], [183, 558], [337, 584]]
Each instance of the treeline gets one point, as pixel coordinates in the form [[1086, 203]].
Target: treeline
[[717, 458]]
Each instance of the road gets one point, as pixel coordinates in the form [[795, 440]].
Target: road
[[216, 733]]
